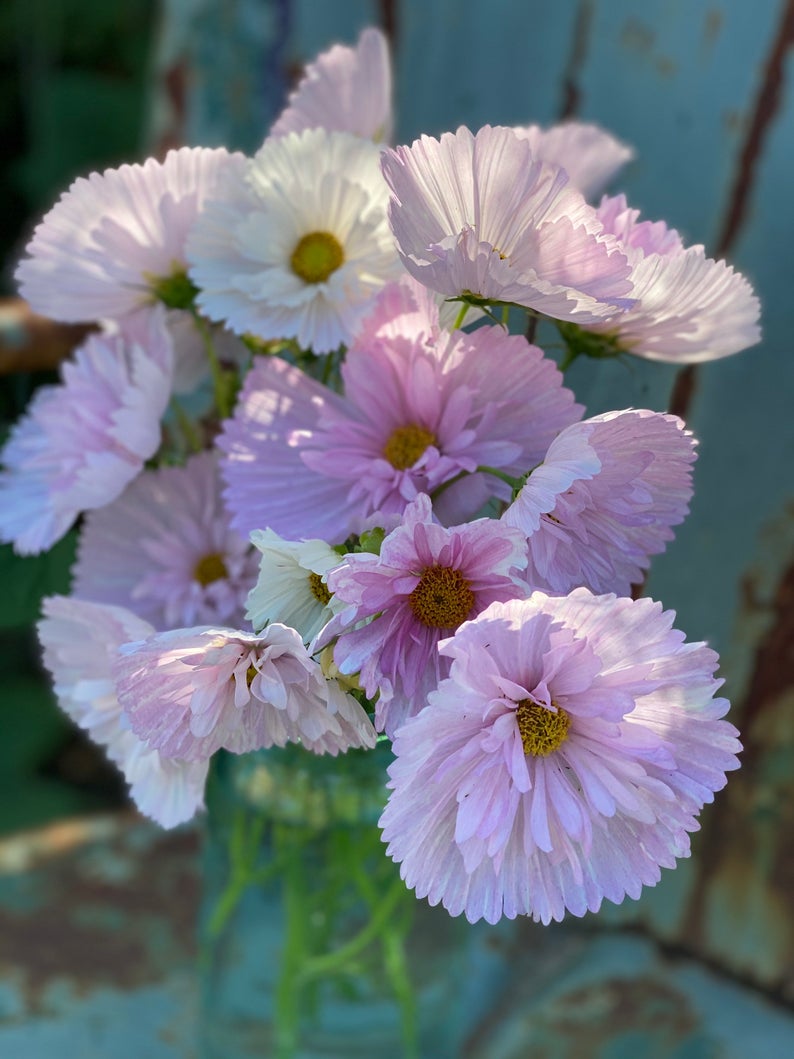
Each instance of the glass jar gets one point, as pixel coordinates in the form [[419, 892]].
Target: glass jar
[[311, 944]]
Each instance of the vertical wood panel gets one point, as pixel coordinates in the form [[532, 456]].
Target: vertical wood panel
[[680, 80], [476, 64]]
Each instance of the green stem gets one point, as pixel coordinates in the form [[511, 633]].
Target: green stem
[[514, 483], [395, 931], [244, 845], [396, 964], [286, 1015], [187, 427], [568, 358], [460, 317], [445, 485], [331, 962], [532, 325], [328, 367], [219, 377]]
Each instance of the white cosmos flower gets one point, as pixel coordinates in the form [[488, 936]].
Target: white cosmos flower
[[298, 245], [291, 588]]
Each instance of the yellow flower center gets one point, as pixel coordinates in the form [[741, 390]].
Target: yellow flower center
[[316, 256], [406, 445], [250, 673], [442, 599], [319, 589], [210, 568], [541, 731]]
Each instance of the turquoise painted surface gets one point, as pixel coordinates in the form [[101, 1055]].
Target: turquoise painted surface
[[703, 90], [102, 962], [97, 941]]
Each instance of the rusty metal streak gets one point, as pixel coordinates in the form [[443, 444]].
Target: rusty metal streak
[[766, 107], [774, 659], [683, 392], [571, 92], [389, 20]]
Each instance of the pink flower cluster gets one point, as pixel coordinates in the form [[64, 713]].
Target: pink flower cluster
[[432, 542]]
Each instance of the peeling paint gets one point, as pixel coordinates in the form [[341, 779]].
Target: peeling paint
[[637, 36], [712, 26], [113, 905], [590, 1018], [740, 909]]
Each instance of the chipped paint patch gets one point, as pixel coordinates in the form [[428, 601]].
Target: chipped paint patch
[[112, 902]]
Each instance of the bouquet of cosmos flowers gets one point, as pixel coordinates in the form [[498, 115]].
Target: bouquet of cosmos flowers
[[328, 498]]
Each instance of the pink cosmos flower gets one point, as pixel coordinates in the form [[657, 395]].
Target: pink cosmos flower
[[689, 308], [563, 761], [81, 442], [344, 90], [604, 500], [113, 239], [80, 640], [165, 551], [481, 214], [189, 692], [590, 155], [421, 408], [425, 582]]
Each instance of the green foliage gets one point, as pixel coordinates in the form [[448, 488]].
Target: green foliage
[[81, 121], [34, 731], [72, 97], [26, 580]]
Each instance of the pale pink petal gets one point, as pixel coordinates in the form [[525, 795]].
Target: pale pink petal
[[590, 155], [344, 90], [689, 308], [81, 442], [394, 651], [80, 640], [605, 500], [483, 215], [268, 485], [190, 692], [608, 805], [98, 250], [164, 550]]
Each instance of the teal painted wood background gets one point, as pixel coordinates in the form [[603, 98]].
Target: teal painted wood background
[[704, 90], [702, 967]]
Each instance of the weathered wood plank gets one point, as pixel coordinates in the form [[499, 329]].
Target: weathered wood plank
[[704, 89]]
